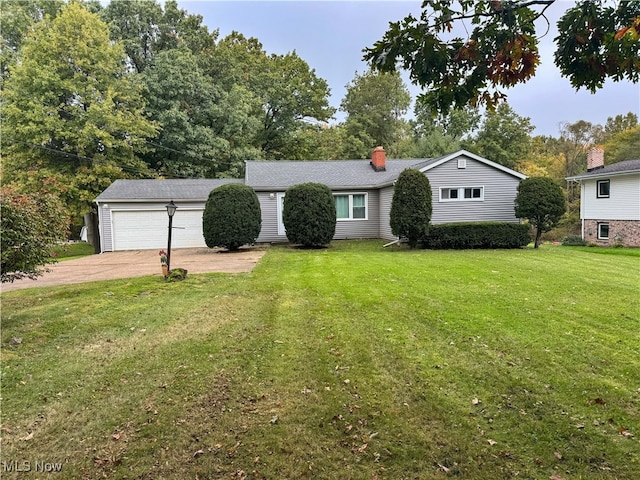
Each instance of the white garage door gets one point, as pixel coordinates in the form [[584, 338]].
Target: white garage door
[[144, 230]]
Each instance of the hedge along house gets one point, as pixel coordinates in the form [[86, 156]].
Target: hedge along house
[[466, 188], [610, 201]]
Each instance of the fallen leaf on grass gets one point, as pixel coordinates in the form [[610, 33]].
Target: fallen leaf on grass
[[558, 455], [624, 432], [444, 469], [491, 442], [555, 477], [28, 437], [274, 420], [198, 453], [475, 401]]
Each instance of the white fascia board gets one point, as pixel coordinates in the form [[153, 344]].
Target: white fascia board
[[478, 158]]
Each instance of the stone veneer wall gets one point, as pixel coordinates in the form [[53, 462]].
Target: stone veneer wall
[[621, 232]]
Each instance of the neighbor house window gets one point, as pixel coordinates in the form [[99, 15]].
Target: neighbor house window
[[352, 206], [603, 231], [461, 194], [603, 188]]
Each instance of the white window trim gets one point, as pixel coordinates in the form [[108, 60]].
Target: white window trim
[[598, 182], [600, 236], [461, 194], [350, 195], [281, 229]]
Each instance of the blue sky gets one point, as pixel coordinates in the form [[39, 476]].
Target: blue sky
[[330, 36]]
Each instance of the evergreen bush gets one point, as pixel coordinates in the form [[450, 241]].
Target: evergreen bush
[[309, 214], [411, 206], [460, 236], [231, 217]]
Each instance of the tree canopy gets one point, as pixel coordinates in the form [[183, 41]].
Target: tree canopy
[[596, 41], [375, 103], [71, 112]]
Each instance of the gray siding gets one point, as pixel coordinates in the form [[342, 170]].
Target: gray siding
[[345, 229], [386, 195], [500, 191], [269, 208], [369, 228], [105, 220]]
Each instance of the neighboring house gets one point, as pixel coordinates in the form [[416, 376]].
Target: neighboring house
[[610, 201], [466, 188]]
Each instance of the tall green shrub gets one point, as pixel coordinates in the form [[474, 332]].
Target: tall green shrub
[[411, 206], [541, 201], [231, 217], [309, 214]]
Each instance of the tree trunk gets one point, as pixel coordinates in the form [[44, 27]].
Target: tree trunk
[[538, 235], [93, 234]]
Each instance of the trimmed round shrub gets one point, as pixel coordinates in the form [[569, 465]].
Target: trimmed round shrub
[[309, 214], [541, 201], [231, 217], [411, 206]]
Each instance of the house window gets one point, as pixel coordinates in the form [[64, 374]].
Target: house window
[[603, 231], [450, 194], [603, 187], [352, 206]]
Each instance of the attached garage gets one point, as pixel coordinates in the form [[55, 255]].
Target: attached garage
[[145, 229], [132, 213]]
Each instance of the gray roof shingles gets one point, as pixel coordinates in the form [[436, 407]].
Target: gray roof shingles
[[628, 166], [336, 174], [174, 189]]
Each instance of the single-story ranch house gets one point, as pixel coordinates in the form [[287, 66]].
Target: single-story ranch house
[[610, 201], [466, 188]]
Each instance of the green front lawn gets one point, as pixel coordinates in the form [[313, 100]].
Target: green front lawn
[[350, 362]]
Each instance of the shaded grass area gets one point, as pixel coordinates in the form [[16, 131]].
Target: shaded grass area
[[349, 362], [69, 251]]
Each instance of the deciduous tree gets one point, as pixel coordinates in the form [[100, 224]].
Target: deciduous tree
[[69, 107], [375, 103], [30, 226], [504, 136], [596, 41]]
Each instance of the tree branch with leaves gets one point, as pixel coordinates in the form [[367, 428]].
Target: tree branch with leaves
[[595, 42]]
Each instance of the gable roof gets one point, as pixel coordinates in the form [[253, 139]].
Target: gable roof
[[429, 164], [346, 174], [336, 174], [166, 189], [620, 168]]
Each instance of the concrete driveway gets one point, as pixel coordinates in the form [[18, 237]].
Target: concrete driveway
[[140, 263]]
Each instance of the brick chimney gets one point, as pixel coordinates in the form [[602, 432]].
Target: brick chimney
[[378, 159], [595, 158]]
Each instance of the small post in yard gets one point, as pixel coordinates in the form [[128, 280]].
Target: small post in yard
[[171, 210]]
